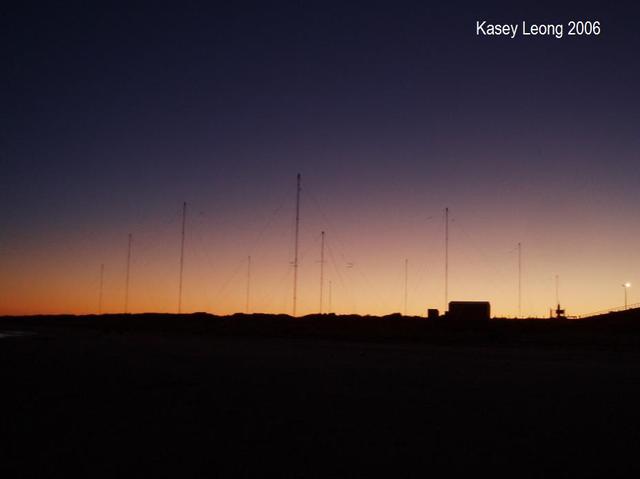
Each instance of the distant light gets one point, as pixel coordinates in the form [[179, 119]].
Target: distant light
[[627, 285]]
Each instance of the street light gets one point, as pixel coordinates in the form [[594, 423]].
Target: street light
[[626, 286]]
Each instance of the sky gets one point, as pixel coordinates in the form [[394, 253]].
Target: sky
[[114, 115]]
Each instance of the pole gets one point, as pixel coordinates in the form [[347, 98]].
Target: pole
[[184, 220], [329, 310], [101, 287], [126, 283], [625, 295], [248, 283], [321, 268], [519, 279], [295, 257], [406, 283], [446, 258], [558, 290]]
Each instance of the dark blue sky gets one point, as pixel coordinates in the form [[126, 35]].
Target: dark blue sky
[[115, 113]]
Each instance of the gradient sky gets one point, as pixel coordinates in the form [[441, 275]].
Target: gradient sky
[[112, 116]]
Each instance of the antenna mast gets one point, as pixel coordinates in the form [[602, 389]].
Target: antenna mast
[[321, 268], [329, 311], [519, 279], [446, 258], [126, 282], [101, 286], [295, 257], [558, 290], [184, 219], [248, 283], [406, 283]]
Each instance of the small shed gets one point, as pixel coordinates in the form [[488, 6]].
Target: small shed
[[476, 310]]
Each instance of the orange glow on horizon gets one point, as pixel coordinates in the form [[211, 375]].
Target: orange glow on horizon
[[365, 256]]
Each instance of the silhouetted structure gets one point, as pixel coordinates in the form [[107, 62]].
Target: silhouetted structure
[[446, 256], [128, 275], [480, 310], [295, 254], [184, 219], [433, 314], [560, 313]]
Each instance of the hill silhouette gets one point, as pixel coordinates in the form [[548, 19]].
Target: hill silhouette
[[319, 396], [621, 329]]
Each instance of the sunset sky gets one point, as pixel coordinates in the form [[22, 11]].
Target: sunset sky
[[112, 116]]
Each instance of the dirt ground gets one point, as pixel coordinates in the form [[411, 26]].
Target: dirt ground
[[112, 401]]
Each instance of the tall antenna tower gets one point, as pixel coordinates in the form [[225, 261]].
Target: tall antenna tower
[[295, 255], [126, 281], [406, 284], [184, 220], [519, 279], [321, 267], [246, 308], [101, 287], [446, 258]]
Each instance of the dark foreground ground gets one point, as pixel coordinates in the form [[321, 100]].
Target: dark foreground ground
[[257, 397]]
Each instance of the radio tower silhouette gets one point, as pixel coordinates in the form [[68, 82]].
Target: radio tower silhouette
[[184, 219], [295, 254]]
